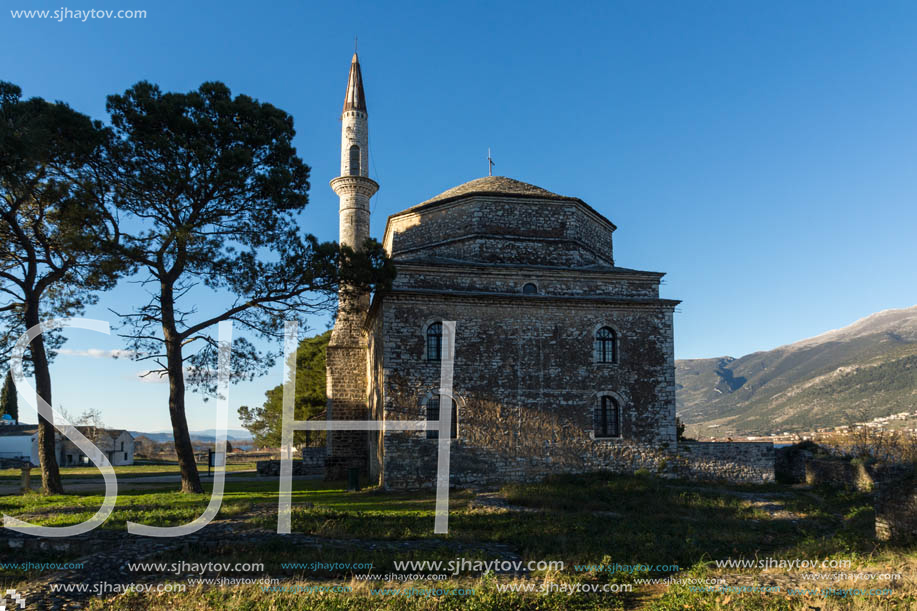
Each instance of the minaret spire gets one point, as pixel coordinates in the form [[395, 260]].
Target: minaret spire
[[355, 99]]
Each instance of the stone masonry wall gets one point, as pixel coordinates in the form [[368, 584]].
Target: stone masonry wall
[[376, 373], [312, 465], [896, 506], [743, 462], [552, 283], [526, 385], [313, 460], [347, 401], [474, 466], [504, 230]]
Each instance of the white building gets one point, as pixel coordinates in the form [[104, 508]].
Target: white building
[[21, 441], [116, 444]]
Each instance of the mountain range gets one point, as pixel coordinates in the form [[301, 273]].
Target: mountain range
[[863, 371], [208, 435]]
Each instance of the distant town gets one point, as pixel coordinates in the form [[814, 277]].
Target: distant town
[[901, 422]]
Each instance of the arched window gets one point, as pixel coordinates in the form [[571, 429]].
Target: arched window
[[529, 289], [354, 160], [607, 420], [435, 341], [606, 346], [432, 406]]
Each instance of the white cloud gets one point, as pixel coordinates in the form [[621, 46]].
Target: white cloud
[[152, 377], [95, 353], [157, 376]]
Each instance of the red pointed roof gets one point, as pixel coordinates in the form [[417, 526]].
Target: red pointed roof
[[355, 99]]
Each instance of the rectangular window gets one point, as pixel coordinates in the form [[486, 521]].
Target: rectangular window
[[435, 341], [354, 169], [433, 418], [125, 456], [605, 348], [608, 419]]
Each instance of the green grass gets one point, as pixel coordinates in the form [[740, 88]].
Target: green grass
[[580, 519], [583, 519], [135, 470], [157, 508], [589, 519]]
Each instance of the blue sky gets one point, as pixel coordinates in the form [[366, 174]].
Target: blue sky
[[764, 155]]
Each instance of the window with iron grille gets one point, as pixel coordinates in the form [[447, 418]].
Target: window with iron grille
[[606, 348], [432, 406], [607, 421], [435, 341]]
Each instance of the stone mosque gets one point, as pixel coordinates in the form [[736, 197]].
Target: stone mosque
[[563, 361]]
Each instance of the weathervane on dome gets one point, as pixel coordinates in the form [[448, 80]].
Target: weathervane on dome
[[490, 163]]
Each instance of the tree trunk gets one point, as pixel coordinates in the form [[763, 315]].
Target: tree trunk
[[190, 479], [50, 473]]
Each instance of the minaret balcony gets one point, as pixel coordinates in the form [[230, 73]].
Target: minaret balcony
[[354, 185]]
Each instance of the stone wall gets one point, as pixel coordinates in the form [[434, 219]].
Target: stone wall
[[482, 278], [472, 465], [500, 229], [313, 460], [375, 373], [526, 386], [896, 506], [346, 384], [838, 472], [347, 401], [742, 462], [271, 468]]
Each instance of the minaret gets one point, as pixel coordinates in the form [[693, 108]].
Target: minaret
[[346, 356], [355, 188]]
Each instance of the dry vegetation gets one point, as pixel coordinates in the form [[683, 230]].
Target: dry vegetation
[[873, 444]]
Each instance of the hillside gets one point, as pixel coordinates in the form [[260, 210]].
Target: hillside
[[854, 374], [208, 435]]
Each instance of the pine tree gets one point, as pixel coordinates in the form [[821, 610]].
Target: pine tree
[[56, 235], [8, 399], [214, 190], [265, 422]]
